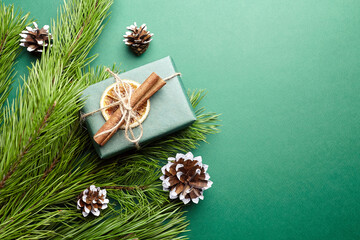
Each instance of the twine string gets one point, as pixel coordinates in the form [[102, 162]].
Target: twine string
[[172, 76], [126, 110]]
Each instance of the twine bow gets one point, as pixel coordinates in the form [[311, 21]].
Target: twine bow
[[126, 110]]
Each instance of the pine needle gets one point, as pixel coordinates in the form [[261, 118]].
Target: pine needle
[[12, 22]]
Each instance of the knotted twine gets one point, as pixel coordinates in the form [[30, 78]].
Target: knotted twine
[[126, 110]]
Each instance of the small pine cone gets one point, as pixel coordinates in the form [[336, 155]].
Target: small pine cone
[[138, 39], [91, 200], [185, 177], [35, 39]]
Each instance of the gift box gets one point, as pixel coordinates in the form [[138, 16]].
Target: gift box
[[170, 109]]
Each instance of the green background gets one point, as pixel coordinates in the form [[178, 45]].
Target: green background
[[286, 77]]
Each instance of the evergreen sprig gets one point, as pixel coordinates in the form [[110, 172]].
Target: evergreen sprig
[[42, 161], [38, 126], [54, 84], [12, 22]]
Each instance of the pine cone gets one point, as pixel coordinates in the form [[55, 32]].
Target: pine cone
[[138, 39], [185, 177], [91, 200], [35, 39]]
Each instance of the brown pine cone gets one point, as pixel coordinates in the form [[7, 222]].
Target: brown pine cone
[[185, 177], [35, 39], [91, 200], [138, 39]]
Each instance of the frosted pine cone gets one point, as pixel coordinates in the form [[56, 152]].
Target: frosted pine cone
[[185, 177], [35, 39], [92, 200], [138, 39]]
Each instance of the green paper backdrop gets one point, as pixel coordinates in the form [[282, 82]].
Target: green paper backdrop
[[286, 76]]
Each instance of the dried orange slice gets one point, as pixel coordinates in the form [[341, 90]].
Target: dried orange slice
[[109, 96]]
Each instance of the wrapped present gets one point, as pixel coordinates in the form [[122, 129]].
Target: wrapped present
[[169, 109]]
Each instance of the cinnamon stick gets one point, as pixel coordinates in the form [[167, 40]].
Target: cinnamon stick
[[148, 88], [156, 87]]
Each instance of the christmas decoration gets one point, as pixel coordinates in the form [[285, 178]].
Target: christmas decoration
[[170, 100], [43, 161], [92, 200], [185, 177], [138, 39], [128, 104], [35, 39], [110, 97]]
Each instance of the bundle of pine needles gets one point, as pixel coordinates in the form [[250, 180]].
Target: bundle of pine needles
[[11, 24]]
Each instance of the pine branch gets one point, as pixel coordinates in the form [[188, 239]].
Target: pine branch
[[27, 146], [133, 203], [58, 77], [11, 24], [48, 81]]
